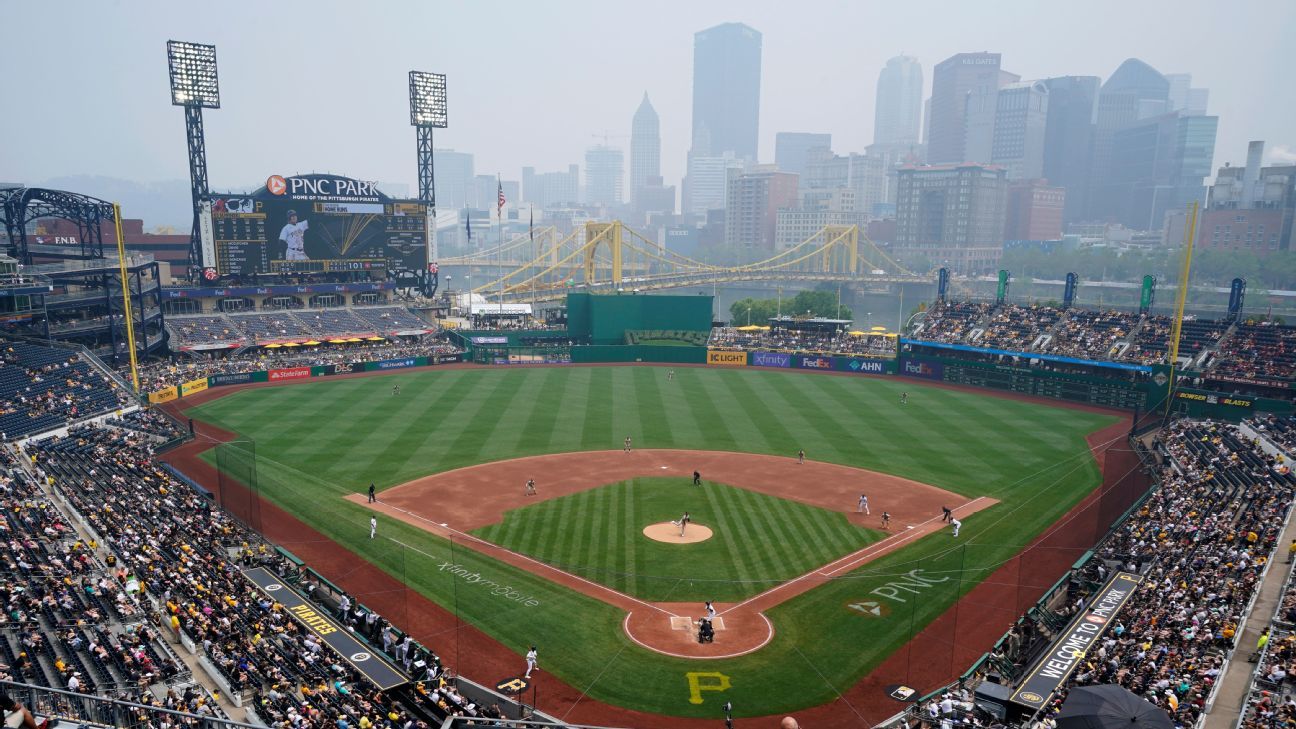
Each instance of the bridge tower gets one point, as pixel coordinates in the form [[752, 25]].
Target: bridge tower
[[611, 235]]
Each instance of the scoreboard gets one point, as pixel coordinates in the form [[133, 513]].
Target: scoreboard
[[316, 224]]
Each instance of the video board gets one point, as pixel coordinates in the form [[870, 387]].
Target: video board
[[316, 224]]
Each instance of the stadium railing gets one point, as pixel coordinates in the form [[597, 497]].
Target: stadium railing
[[88, 710]]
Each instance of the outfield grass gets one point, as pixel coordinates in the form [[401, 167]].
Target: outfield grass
[[319, 441], [770, 540]]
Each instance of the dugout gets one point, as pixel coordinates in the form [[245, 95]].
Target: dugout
[[605, 319]]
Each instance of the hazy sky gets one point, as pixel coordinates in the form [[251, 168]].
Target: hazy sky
[[322, 86]]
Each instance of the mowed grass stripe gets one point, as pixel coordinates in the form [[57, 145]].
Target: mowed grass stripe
[[766, 421], [739, 558], [654, 427], [633, 532], [597, 429]]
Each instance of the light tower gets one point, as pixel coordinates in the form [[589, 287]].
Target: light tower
[[427, 99], [194, 85]]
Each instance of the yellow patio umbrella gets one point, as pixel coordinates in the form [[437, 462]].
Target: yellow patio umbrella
[[337, 341], [856, 333], [291, 344], [311, 343], [879, 329], [272, 346], [355, 339], [377, 339], [751, 328]]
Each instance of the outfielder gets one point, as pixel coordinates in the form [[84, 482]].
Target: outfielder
[[627, 444], [801, 456]]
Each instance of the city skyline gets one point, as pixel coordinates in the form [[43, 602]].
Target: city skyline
[[350, 116]]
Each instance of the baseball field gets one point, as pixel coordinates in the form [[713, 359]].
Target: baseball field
[[561, 570]]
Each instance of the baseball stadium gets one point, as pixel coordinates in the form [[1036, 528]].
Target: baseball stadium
[[290, 476]]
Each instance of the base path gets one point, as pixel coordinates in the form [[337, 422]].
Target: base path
[[453, 503]]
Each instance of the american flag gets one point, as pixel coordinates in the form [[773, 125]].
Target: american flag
[[499, 203]]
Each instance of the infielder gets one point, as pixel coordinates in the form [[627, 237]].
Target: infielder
[[801, 456], [373, 526], [293, 235], [956, 524], [531, 661], [530, 487], [886, 520], [863, 507]]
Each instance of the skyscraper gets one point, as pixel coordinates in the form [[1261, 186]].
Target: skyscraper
[[951, 215], [794, 150], [1068, 138], [454, 178], [898, 109], [1159, 164], [726, 91], [1134, 91], [645, 150], [754, 201], [952, 81], [1021, 118], [604, 170], [551, 189]]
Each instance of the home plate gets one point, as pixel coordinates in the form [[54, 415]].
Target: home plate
[[686, 623]]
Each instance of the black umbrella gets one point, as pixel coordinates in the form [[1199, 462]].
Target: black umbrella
[[1110, 707]]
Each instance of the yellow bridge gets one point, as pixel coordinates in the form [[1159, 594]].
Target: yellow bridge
[[607, 257]]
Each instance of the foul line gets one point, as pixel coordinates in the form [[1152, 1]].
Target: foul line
[[471, 538], [855, 557], [769, 635]]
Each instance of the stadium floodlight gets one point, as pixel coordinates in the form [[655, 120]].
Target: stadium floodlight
[[193, 75], [427, 101], [427, 92]]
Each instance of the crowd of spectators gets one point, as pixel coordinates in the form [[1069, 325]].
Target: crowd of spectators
[[1259, 350], [230, 330], [160, 374], [1016, 327], [1201, 541], [1091, 334], [42, 388], [168, 549], [950, 322], [1280, 430]]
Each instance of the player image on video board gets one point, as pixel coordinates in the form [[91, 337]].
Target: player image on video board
[[293, 237]]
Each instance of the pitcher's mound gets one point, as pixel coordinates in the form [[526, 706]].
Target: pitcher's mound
[[668, 532]]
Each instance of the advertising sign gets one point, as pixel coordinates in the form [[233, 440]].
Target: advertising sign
[[392, 364], [862, 366], [1080, 636], [317, 223], [816, 363], [189, 388], [1211, 398], [489, 340], [926, 370], [166, 395], [290, 373], [726, 358], [770, 359], [234, 379]]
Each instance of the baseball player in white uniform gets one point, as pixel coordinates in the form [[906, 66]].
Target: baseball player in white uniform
[[373, 526], [531, 661], [954, 522], [294, 235], [863, 505]]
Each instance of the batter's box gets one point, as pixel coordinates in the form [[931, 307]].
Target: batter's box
[[687, 623]]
